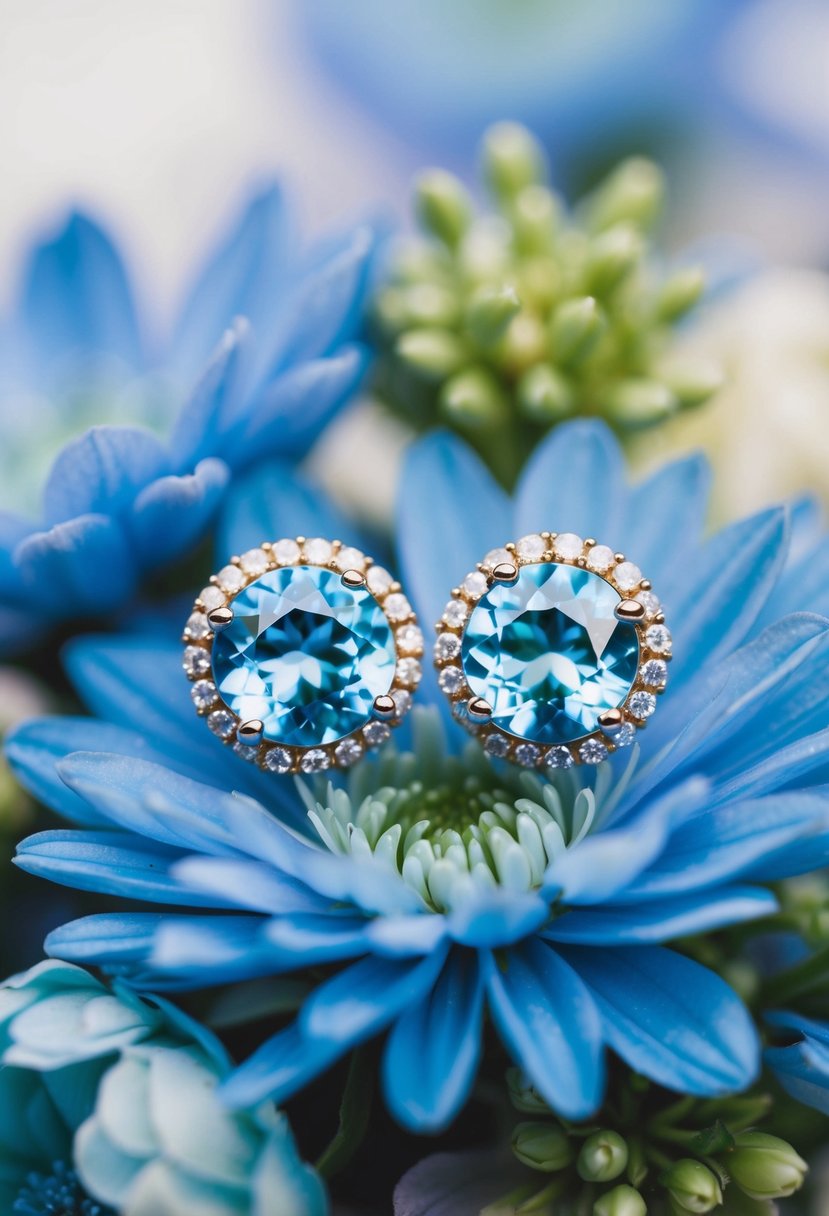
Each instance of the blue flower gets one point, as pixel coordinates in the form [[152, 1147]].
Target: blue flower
[[436, 886], [109, 1101], [802, 1067], [262, 355]]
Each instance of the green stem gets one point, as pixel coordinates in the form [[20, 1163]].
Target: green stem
[[355, 1109]]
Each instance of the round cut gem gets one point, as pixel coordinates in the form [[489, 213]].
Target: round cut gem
[[497, 557], [305, 655], [654, 673], [475, 584], [314, 761], [559, 757], [379, 580], [527, 754], [409, 672], [212, 597], [197, 626], [658, 639], [548, 655], [454, 613], [376, 733], [255, 561], [230, 578], [531, 548], [397, 607], [196, 661], [278, 760], [318, 551], [593, 751], [627, 576], [203, 693], [221, 723], [286, 552], [447, 646], [642, 704], [348, 752], [409, 640], [600, 557], [496, 745], [349, 558], [451, 680], [567, 544]]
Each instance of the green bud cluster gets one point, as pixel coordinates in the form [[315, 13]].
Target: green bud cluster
[[502, 324], [654, 1153]]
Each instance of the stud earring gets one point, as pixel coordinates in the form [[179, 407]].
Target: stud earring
[[553, 651], [302, 654]]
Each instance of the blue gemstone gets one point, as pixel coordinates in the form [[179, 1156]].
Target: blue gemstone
[[548, 654], [305, 655]]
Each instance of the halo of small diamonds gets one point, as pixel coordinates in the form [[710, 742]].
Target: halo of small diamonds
[[358, 572], [644, 615]]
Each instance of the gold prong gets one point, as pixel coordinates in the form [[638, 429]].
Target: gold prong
[[630, 610], [646, 585], [611, 720], [659, 619], [589, 543], [479, 709], [384, 708], [220, 618], [250, 733], [505, 572], [353, 579], [620, 557]]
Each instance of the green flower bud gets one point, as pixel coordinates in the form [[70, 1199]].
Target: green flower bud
[[489, 312], [432, 353], [692, 380], [543, 1146], [544, 395], [634, 191], [621, 1201], [680, 293], [576, 327], [764, 1166], [639, 403], [613, 255], [534, 216], [523, 1095], [512, 159], [473, 400], [603, 1157], [443, 206], [692, 1185]]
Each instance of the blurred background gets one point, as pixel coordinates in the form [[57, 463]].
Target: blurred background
[[159, 117]]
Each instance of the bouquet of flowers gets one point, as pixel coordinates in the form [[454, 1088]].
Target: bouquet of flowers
[[457, 855]]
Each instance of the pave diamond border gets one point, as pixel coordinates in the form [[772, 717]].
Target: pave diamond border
[[238, 574], [563, 549]]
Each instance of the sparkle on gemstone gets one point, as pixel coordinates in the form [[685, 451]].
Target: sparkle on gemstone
[[305, 655], [649, 602], [624, 736], [559, 757], [548, 655], [314, 761], [658, 639], [203, 693], [593, 751], [527, 754], [278, 760], [402, 701], [221, 723], [642, 704], [654, 673]]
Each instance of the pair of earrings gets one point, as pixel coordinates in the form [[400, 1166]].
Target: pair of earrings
[[303, 653]]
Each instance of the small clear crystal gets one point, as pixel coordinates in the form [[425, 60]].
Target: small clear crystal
[[567, 544], [222, 723], [409, 672], [402, 701], [496, 745], [624, 736], [197, 627], [658, 638], [314, 761], [627, 576], [527, 754], [475, 584], [204, 693], [600, 558], [649, 602], [559, 757], [451, 680], [376, 733], [593, 751], [230, 578], [378, 580], [278, 760], [212, 597], [447, 646], [196, 661], [286, 552], [654, 673], [409, 640], [531, 548], [497, 557], [455, 613], [318, 551], [245, 752], [255, 561], [349, 558], [348, 752], [642, 704], [397, 607]]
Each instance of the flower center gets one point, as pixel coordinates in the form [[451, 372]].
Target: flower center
[[57, 1194], [461, 824]]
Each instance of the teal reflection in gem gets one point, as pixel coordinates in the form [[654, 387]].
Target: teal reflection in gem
[[305, 655], [548, 654]]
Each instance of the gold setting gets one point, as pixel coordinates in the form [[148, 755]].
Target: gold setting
[[638, 606], [213, 611]]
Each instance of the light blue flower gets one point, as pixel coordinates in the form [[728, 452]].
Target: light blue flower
[[802, 1067], [262, 354], [109, 1101], [443, 890]]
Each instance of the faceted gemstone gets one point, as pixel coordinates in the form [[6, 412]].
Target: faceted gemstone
[[548, 655], [559, 757], [305, 655], [531, 548], [642, 704], [475, 584], [451, 680], [527, 754], [593, 751], [601, 558], [409, 640], [278, 760], [286, 552], [376, 733], [447, 646], [348, 752], [454, 613], [567, 544], [627, 576], [496, 745], [658, 639]]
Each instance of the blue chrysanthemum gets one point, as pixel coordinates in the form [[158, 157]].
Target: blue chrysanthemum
[[109, 1102], [262, 354], [802, 1066], [438, 890]]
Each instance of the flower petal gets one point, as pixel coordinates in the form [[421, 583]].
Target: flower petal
[[101, 472], [670, 1018], [548, 1020], [78, 567], [171, 514], [433, 1050], [573, 482], [669, 506], [283, 1064]]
